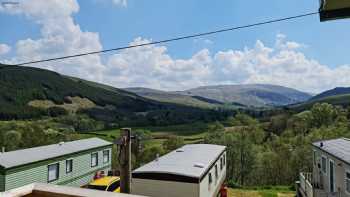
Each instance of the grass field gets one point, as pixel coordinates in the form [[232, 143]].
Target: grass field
[[281, 191], [192, 133]]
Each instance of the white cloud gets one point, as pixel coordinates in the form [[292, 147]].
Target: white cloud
[[123, 3], [152, 66], [283, 64], [4, 49], [60, 36]]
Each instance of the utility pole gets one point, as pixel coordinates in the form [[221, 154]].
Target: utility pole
[[125, 161]]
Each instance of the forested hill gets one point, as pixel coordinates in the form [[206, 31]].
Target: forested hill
[[256, 95], [20, 85], [333, 92]]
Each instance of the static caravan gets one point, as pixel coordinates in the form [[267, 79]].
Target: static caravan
[[197, 170], [70, 163]]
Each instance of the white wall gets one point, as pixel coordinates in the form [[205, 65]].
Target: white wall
[[210, 190], [157, 188]]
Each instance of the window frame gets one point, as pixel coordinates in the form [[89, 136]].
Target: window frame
[[108, 156], [216, 171], [91, 155], [71, 167], [315, 157], [334, 176], [324, 167], [347, 171], [210, 178], [57, 172]]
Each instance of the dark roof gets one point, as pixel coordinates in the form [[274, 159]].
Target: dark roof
[[339, 148], [30, 155], [190, 161]]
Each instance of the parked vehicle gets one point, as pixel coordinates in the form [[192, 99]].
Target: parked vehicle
[[107, 183]]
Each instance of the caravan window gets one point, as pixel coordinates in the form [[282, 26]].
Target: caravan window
[[53, 172], [94, 159], [347, 181], [324, 164], [69, 165], [105, 156], [210, 178]]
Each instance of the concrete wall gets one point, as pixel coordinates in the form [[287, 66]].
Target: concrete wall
[[157, 188], [322, 179], [210, 190], [82, 171]]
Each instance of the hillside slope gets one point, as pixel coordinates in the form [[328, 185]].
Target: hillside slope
[[173, 97], [256, 95], [332, 92], [20, 85]]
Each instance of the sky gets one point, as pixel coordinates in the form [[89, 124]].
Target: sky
[[303, 53]]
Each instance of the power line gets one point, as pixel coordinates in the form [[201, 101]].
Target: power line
[[171, 39]]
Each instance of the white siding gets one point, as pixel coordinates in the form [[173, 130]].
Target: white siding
[[210, 190], [82, 172], [157, 188]]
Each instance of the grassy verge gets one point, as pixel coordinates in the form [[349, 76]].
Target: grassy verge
[[276, 191]]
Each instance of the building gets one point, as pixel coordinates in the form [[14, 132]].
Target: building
[[70, 163], [197, 170], [334, 9], [331, 170], [45, 190]]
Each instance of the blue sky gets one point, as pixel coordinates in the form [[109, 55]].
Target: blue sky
[[245, 56]]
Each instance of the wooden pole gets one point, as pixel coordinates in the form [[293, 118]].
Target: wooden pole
[[125, 161]]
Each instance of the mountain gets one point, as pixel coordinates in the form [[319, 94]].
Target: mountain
[[256, 95], [20, 86], [336, 96], [332, 92], [173, 97], [33, 93]]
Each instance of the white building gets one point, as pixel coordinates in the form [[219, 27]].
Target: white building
[[196, 170]]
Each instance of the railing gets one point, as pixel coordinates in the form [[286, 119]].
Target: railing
[[305, 184]]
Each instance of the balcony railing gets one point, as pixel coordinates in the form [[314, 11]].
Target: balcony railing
[[305, 184]]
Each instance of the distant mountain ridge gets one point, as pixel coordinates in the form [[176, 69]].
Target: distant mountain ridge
[[333, 92], [250, 95]]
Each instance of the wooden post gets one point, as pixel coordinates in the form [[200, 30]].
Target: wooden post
[[125, 161]]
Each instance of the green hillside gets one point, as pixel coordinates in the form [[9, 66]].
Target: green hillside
[[28, 93], [343, 100], [20, 85]]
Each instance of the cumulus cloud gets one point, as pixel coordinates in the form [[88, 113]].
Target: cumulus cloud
[[4, 49], [152, 66], [282, 64], [60, 36]]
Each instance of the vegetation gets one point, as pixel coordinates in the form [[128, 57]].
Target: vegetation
[[274, 153]]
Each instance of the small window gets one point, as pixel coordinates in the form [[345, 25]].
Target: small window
[[210, 179], [216, 171], [94, 159], [347, 181], [324, 164], [113, 186], [315, 158], [53, 172], [69, 165], [224, 159], [105, 156], [221, 164]]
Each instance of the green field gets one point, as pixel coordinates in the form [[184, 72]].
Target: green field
[[276, 191], [191, 133]]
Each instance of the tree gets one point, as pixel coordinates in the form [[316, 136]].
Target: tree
[[173, 142]]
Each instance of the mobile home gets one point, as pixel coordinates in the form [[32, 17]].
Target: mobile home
[[197, 170], [331, 170], [70, 163]]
